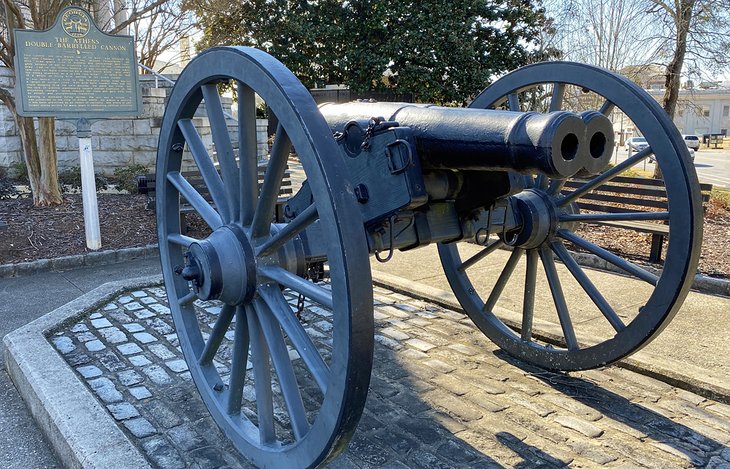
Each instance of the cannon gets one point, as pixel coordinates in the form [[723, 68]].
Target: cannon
[[387, 176]]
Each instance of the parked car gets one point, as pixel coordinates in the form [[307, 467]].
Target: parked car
[[636, 144], [691, 155], [692, 141]]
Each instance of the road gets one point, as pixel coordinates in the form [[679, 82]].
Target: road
[[713, 166]]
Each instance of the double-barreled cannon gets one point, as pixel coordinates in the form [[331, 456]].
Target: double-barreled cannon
[[382, 177]]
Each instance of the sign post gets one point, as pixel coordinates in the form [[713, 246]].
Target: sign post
[[74, 71], [88, 186]]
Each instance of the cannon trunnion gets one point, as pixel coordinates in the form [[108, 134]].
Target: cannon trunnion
[[387, 176]]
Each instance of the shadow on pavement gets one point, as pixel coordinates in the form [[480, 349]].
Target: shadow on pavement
[[658, 429]]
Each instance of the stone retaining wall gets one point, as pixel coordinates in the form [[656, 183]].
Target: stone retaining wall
[[116, 142]]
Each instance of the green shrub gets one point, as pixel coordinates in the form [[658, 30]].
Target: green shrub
[[21, 172], [7, 188], [261, 111], [125, 179], [70, 180]]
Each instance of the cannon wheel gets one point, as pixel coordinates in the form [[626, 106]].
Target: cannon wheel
[[684, 216], [303, 411]]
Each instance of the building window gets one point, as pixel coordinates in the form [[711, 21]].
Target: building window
[[726, 111], [705, 111]]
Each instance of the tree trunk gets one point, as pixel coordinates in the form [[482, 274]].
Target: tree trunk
[[26, 130], [672, 82], [29, 143], [49, 192]]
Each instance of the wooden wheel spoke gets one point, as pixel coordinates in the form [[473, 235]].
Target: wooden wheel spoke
[[299, 285], [559, 298], [556, 101], [247, 152], [272, 184], [284, 370], [629, 267], [187, 299], [293, 228], [528, 302], [217, 334], [180, 239], [513, 101], [504, 277], [262, 380], [604, 177], [206, 167], [480, 255], [199, 204], [297, 335], [239, 359], [588, 286], [606, 108], [223, 145]]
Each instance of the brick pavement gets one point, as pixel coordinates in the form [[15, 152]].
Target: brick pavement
[[441, 395]]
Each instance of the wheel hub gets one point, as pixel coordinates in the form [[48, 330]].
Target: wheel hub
[[222, 266], [539, 219]]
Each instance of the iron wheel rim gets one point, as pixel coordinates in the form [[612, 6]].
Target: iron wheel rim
[[685, 222], [351, 360]]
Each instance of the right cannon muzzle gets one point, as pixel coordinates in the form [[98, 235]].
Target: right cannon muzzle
[[598, 143]]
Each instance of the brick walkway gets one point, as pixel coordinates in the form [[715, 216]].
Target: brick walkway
[[441, 395]]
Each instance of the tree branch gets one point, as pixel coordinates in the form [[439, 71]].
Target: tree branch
[[134, 15]]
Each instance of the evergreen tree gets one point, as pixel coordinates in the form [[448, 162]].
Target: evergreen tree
[[443, 52]]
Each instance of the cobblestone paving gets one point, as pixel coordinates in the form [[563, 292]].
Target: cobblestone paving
[[441, 395]]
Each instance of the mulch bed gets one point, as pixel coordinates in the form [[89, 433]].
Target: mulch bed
[[42, 233], [48, 232]]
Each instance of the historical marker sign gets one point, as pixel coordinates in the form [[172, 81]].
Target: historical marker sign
[[75, 70]]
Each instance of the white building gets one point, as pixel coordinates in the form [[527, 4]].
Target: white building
[[701, 111]]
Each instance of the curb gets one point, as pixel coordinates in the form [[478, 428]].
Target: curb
[[690, 378], [701, 283], [88, 259], [78, 427]]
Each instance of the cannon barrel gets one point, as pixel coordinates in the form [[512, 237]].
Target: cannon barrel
[[558, 144]]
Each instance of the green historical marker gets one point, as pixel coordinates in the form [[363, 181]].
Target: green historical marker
[[76, 72]]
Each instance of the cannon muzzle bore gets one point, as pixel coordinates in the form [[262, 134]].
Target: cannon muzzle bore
[[599, 142]]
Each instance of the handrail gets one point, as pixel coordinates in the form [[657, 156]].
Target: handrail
[[158, 75]]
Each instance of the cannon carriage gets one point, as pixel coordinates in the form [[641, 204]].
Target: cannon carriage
[[382, 177]]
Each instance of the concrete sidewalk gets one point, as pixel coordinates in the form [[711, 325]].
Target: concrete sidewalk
[[692, 352]]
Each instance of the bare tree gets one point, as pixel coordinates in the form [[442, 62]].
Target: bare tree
[[612, 34], [161, 32], [39, 150], [696, 35], [39, 147]]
